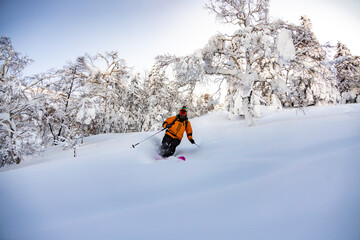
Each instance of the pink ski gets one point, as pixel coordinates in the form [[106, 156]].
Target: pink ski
[[182, 158]]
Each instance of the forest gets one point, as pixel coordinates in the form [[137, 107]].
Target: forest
[[264, 63]]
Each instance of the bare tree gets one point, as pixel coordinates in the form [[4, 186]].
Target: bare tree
[[244, 13]]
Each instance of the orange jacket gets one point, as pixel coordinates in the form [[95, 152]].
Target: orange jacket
[[178, 128]]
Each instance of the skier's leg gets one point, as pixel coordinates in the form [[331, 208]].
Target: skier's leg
[[172, 147], [165, 144]]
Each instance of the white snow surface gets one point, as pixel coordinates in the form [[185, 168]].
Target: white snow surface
[[294, 175]]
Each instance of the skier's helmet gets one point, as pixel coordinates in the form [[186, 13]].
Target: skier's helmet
[[183, 111]]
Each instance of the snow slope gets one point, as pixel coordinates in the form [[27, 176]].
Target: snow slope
[[295, 175]]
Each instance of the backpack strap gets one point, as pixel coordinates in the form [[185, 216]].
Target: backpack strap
[[177, 118]]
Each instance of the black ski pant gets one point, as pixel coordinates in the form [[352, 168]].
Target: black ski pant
[[168, 146]]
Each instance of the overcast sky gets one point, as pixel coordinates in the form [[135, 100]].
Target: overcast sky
[[53, 32]]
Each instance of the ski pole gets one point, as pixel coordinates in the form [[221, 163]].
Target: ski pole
[[134, 145]]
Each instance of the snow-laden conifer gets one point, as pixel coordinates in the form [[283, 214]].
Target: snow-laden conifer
[[313, 82], [348, 74]]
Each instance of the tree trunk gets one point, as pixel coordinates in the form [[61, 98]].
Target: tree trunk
[[248, 116]]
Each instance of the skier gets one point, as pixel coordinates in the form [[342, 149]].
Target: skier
[[176, 126]]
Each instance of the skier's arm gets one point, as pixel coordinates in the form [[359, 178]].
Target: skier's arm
[[189, 132], [168, 121]]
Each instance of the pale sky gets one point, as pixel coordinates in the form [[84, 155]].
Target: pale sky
[[54, 32]]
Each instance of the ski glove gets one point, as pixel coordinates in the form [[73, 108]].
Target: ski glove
[[168, 126], [192, 141]]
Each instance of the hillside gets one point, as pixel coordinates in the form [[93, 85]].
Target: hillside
[[295, 175]]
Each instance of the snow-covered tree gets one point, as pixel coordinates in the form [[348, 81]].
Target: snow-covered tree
[[243, 13], [64, 88], [348, 74], [204, 104], [161, 95], [313, 81], [264, 62], [18, 117], [135, 105], [106, 89], [84, 98], [236, 58], [59, 92]]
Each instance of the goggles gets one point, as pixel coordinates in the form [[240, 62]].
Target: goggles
[[182, 112]]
